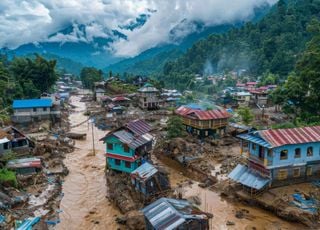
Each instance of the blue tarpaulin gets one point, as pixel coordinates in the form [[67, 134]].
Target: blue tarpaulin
[[300, 201], [28, 223], [248, 177]]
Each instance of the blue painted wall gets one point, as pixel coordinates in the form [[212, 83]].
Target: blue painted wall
[[117, 147], [122, 167]]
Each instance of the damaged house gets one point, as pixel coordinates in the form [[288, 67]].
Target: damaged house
[[11, 139], [203, 122], [148, 180], [278, 157], [167, 213], [25, 166], [30, 110], [128, 147]]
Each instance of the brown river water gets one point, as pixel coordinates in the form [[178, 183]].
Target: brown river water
[[84, 205]]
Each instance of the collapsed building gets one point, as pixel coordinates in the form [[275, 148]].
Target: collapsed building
[[202, 122], [168, 213], [278, 157], [149, 181]]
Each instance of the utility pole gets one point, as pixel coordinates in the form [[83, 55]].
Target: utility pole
[[93, 147]]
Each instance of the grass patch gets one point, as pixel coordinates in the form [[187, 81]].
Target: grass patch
[[8, 177]]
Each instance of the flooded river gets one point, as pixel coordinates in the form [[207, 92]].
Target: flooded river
[[84, 205]]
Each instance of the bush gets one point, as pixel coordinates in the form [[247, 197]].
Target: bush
[[8, 177], [175, 127]]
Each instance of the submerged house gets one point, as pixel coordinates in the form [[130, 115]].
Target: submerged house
[[148, 180], [167, 213], [149, 97], [30, 110], [128, 147], [24, 166], [278, 157], [203, 122]]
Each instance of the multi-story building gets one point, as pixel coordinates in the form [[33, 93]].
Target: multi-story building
[[149, 97], [278, 157], [203, 122], [128, 146], [30, 110]]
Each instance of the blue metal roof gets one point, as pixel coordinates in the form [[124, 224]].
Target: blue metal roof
[[248, 177], [255, 138], [145, 171], [32, 103]]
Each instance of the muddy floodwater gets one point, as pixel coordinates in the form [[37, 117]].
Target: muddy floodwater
[[84, 205]]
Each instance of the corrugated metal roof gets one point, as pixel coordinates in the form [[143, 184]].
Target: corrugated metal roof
[[131, 140], [255, 138], [248, 177], [31, 103], [138, 127], [167, 213], [4, 140], [279, 137], [24, 163], [120, 98], [148, 88], [203, 114], [144, 172]]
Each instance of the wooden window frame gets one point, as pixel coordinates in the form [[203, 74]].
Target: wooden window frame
[[117, 162], [310, 153], [294, 174], [282, 174], [127, 163], [108, 146], [126, 148]]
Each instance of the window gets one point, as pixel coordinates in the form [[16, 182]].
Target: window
[[261, 152], [6, 145], [126, 148], [110, 146], [44, 109], [128, 164], [253, 146], [282, 174], [296, 172], [310, 151], [117, 162], [297, 153], [34, 109], [270, 154], [284, 155]]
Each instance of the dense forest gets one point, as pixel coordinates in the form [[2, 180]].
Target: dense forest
[[272, 45], [25, 78]]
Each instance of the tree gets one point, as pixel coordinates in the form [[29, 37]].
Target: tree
[[90, 75], [246, 115], [175, 127]]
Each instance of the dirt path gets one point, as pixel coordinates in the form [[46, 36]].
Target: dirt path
[[84, 205]]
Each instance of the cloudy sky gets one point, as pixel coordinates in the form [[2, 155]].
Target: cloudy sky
[[32, 21]]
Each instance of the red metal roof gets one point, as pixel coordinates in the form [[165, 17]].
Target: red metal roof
[[138, 127], [279, 137], [120, 98], [252, 83], [119, 157], [202, 114]]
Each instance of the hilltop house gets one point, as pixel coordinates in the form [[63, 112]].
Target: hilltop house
[[167, 213], [203, 122], [149, 97], [148, 180], [128, 146], [278, 157], [30, 110]]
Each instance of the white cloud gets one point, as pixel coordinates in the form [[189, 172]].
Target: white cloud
[[25, 21]]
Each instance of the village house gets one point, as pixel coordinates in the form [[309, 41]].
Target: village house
[[278, 157], [251, 85], [203, 122], [149, 180], [167, 213], [30, 110], [149, 97], [259, 97], [242, 98], [121, 101], [25, 166], [128, 147]]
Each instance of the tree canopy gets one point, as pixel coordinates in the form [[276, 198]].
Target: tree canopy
[[90, 75]]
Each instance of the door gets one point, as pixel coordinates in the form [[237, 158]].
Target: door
[[309, 171]]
